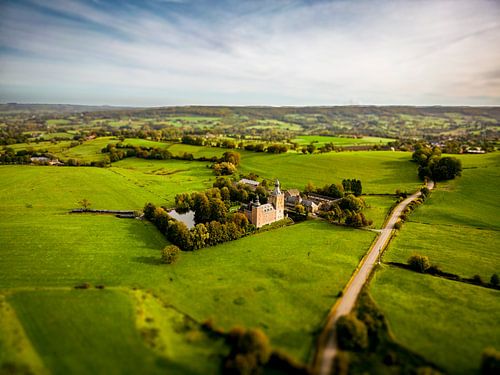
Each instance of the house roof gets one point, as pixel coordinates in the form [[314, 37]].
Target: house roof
[[249, 182], [293, 192], [308, 203]]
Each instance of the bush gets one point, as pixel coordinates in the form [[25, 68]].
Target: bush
[[352, 333], [490, 362], [82, 286], [419, 263], [169, 254], [250, 351], [494, 280], [476, 279]]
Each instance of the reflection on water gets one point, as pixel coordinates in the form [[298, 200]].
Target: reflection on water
[[187, 218]]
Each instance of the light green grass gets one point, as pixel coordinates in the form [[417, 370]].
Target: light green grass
[[320, 140], [53, 148], [377, 208], [197, 151], [84, 332], [448, 322], [379, 171], [283, 281]]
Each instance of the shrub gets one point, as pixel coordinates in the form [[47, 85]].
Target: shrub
[[398, 224], [250, 351], [419, 263], [169, 254], [82, 286], [352, 333], [490, 362], [494, 280], [477, 279]]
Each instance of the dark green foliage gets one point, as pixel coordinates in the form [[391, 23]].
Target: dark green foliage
[[490, 362], [352, 333], [352, 186], [476, 279], [232, 157], [419, 263], [494, 280], [351, 203], [250, 351], [446, 168], [169, 254], [357, 220]]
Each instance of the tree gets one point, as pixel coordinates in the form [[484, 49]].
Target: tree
[[490, 362], [85, 203], [169, 254], [250, 351], [232, 157], [199, 236], [218, 210], [494, 280], [352, 333], [311, 148], [446, 168], [419, 263]]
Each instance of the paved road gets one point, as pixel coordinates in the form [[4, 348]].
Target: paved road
[[346, 303]]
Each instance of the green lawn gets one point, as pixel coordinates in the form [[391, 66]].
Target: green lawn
[[320, 140], [379, 171], [197, 151], [84, 332], [283, 281], [447, 322]]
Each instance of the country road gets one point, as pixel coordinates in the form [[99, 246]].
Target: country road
[[327, 348]]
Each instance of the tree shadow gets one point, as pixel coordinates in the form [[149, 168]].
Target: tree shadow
[[148, 260]]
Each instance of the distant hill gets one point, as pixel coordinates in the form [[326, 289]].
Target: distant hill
[[56, 108]]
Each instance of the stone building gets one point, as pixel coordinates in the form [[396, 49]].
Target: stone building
[[262, 214]]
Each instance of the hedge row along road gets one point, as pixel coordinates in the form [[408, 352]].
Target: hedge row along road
[[327, 346]]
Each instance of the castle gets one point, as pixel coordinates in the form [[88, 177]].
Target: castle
[[262, 214]]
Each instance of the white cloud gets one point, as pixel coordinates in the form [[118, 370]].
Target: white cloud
[[426, 52]]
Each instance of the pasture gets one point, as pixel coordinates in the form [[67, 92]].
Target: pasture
[[319, 140], [379, 171], [447, 322], [457, 228], [262, 281]]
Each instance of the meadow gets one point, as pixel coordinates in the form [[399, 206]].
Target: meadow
[[319, 140], [448, 322], [262, 281], [380, 172]]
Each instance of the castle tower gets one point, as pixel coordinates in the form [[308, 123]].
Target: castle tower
[[277, 199]]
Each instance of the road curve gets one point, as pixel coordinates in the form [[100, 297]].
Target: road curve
[[327, 347]]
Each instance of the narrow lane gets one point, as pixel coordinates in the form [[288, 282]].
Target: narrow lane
[[327, 348]]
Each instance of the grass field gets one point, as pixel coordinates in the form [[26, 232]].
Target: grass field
[[379, 171], [260, 281], [319, 140], [449, 323], [457, 228]]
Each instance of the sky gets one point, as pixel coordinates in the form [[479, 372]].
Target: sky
[[237, 52]]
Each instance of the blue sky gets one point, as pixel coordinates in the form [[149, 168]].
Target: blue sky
[[287, 52]]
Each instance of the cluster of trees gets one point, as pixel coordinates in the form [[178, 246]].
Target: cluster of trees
[[119, 151], [349, 186], [352, 186], [432, 165], [170, 254], [348, 211], [250, 351], [241, 192], [203, 234]]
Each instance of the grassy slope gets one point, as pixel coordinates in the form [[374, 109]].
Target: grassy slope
[[379, 171], [94, 329], [258, 281], [448, 322], [283, 281], [340, 141]]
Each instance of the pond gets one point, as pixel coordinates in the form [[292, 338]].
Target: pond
[[187, 218]]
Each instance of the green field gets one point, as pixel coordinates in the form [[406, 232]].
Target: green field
[[447, 322], [379, 171], [320, 140], [262, 281]]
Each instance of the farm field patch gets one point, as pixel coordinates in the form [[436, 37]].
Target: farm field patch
[[448, 322]]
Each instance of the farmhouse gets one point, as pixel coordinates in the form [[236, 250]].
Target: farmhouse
[[262, 214], [251, 183], [293, 196]]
